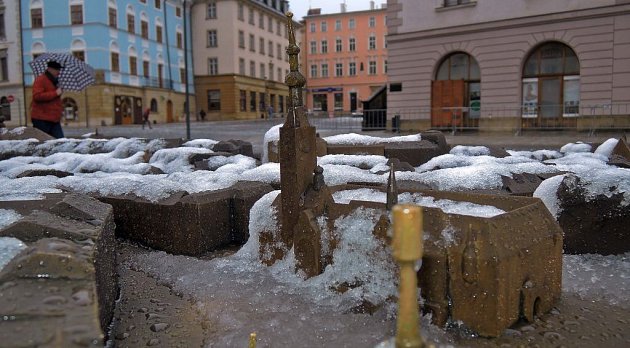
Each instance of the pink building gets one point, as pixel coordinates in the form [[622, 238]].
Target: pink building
[[506, 65], [344, 58]]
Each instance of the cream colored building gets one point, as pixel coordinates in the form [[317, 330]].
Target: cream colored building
[[508, 64], [239, 57], [12, 105]]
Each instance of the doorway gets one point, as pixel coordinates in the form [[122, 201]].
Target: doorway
[[169, 112], [353, 101]]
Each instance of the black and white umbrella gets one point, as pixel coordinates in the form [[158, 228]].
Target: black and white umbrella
[[75, 75]]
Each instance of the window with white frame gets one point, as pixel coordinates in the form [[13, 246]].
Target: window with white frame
[[261, 20], [372, 67], [351, 23], [372, 42], [313, 46], [324, 70], [241, 66], [240, 14], [252, 68], [337, 24], [261, 46], [213, 66], [338, 45], [76, 14], [352, 69], [313, 70], [211, 10], [324, 26], [352, 44], [312, 27], [338, 69], [241, 39], [324, 46], [372, 22], [212, 38], [252, 43], [251, 20]]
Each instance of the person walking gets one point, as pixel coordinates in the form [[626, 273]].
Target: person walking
[[270, 112], [202, 114], [46, 107], [145, 118]]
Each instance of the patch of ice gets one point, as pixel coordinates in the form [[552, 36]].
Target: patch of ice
[[451, 207], [17, 130], [470, 150], [539, 155], [8, 216], [203, 143], [362, 194], [9, 248], [359, 139], [547, 191], [25, 189], [598, 277], [176, 159], [607, 147], [359, 161], [268, 173], [343, 174]]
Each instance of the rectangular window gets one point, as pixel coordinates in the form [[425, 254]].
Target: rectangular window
[[36, 18], [352, 44], [252, 43], [144, 29], [385, 67], [213, 66], [338, 101], [324, 46], [352, 69], [351, 23], [4, 67], [271, 77], [115, 61], [158, 3], [214, 100], [180, 40], [261, 101], [320, 102], [252, 101], [240, 14], [261, 20], [571, 96], [158, 33], [338, 69], [79, 55], [324, 70], [178, 11], [313, 47], [270, 48], [312, 27], [251, 16], [241, 66], [133, 66], [76, 14], [252, 68], [131, 23], [261, 45], [263, 74], [280, 103], [278, 26], [242, 102], [324, 26], [372, 22], [160, 71], [212, 38], [182, 75], [279, 49], [241, 39], [448, 3], [113, 18], [145, 68], [211, 11], [3, 32], [372, 67], [270, 25], [279, 74], [338, 25], [338, 45], [313, 70], [372, 42]]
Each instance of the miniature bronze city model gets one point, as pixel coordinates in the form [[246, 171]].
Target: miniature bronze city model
[[490, 273]]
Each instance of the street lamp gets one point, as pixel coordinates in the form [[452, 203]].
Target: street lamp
[[187, 103]]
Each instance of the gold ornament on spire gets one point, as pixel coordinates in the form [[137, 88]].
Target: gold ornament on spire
[[295, 80]]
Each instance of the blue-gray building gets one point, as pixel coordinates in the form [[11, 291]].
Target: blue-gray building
[[136, 47]]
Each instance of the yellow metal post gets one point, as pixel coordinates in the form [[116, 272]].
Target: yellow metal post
[[407, 249], [252, 340]]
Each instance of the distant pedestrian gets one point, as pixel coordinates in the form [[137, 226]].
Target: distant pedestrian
[[202, 115], [270, 112], [145, 118], [46, 108]]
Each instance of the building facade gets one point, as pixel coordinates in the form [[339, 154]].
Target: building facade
[[505, 65], [135, 46], [11, 91], [240, 57], [345, 58]]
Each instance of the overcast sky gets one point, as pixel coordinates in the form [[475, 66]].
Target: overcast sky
[[300, 7]]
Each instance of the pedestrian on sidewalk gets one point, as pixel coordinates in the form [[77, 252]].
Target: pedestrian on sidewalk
[[46, 108], [145, 118]]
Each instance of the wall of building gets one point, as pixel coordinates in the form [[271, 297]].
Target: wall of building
[[11, 85], [599, 37], [362, 84]]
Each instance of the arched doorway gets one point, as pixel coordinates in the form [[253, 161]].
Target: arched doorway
[[456, 92], [124, 110], [5, 108], [551, 87], [169, 112]]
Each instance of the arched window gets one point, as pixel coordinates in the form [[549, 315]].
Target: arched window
[[78, 48], [133, 61], [154, 105], [551, 82], [70, 109], [456, 92], [131, 19], [114, 57], [37, 48]]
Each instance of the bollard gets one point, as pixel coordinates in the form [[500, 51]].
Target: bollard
[[252, 340], [407, 249]]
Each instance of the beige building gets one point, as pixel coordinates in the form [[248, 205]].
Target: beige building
[[239, 57], [506, 65], [12, 106]]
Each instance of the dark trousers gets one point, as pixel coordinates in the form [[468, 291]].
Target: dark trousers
[[51, 128]]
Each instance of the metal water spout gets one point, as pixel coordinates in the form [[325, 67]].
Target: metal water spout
[[407, 250]]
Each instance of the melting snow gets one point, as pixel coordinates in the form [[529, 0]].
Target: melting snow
[[359, 139]]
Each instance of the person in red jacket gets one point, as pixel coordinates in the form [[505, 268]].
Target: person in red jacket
[[46, 108]]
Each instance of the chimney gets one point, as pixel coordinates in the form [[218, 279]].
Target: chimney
[[343, 7], [314, 11], [371, 4]]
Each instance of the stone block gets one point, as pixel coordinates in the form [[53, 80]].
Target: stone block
[[595, 225], [42, 224], [245, 194], [236, 147], [43, 172], [414, 152]]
